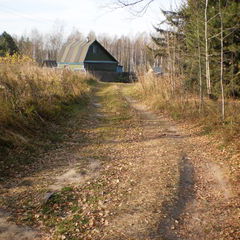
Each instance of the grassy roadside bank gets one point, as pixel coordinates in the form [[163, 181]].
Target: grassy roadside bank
[[34, 105]]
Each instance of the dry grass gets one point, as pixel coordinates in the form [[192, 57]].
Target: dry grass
[[31, 96], [172, 98]]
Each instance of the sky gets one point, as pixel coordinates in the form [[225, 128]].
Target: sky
[[20, 16]]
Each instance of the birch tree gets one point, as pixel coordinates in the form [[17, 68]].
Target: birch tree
[[208, 77], [200, 69], [222, 59]]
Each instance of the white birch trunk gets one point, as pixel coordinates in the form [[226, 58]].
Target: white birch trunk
[[208, 78], [221, 63], [200, 71]]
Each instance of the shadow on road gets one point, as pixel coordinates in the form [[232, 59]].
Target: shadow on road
[[173, 210]]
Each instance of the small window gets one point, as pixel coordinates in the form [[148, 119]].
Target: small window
[[94, 49]]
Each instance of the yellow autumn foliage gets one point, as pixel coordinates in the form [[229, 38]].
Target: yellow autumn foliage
[[16, 59]]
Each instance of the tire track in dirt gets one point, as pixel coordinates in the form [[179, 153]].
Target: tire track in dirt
[[185, 190], [158, 171]]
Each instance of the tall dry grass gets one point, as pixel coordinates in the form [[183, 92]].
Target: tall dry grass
[[31, 96], [161, 93]]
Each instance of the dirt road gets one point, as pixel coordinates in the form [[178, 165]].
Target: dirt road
[[125, 173]]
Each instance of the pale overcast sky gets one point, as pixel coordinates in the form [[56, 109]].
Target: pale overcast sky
[[20, 16]]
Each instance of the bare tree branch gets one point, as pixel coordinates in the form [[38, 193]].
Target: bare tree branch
[[130, 4], [127, 3]]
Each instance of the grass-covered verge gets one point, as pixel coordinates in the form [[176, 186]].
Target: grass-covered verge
[[179, 104], [33, 102]]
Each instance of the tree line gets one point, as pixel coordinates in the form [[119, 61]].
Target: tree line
[[131, 52]]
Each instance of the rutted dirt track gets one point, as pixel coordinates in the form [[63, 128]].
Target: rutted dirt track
[[180, 192], [162, 183]]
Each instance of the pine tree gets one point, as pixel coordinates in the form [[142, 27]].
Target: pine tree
[[7, 45]]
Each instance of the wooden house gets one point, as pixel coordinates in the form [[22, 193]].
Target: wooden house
[[87, 56]]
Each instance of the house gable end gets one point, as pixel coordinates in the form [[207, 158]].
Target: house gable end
[[96, 52]]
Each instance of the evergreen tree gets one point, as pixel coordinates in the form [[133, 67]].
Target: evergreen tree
[[170, 45], [7, 45]]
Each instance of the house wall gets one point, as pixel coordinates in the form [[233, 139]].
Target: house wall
[[124, 77], [98, 59], [110, 67]]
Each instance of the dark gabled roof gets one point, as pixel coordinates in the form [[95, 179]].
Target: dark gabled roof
[[76, 51]]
